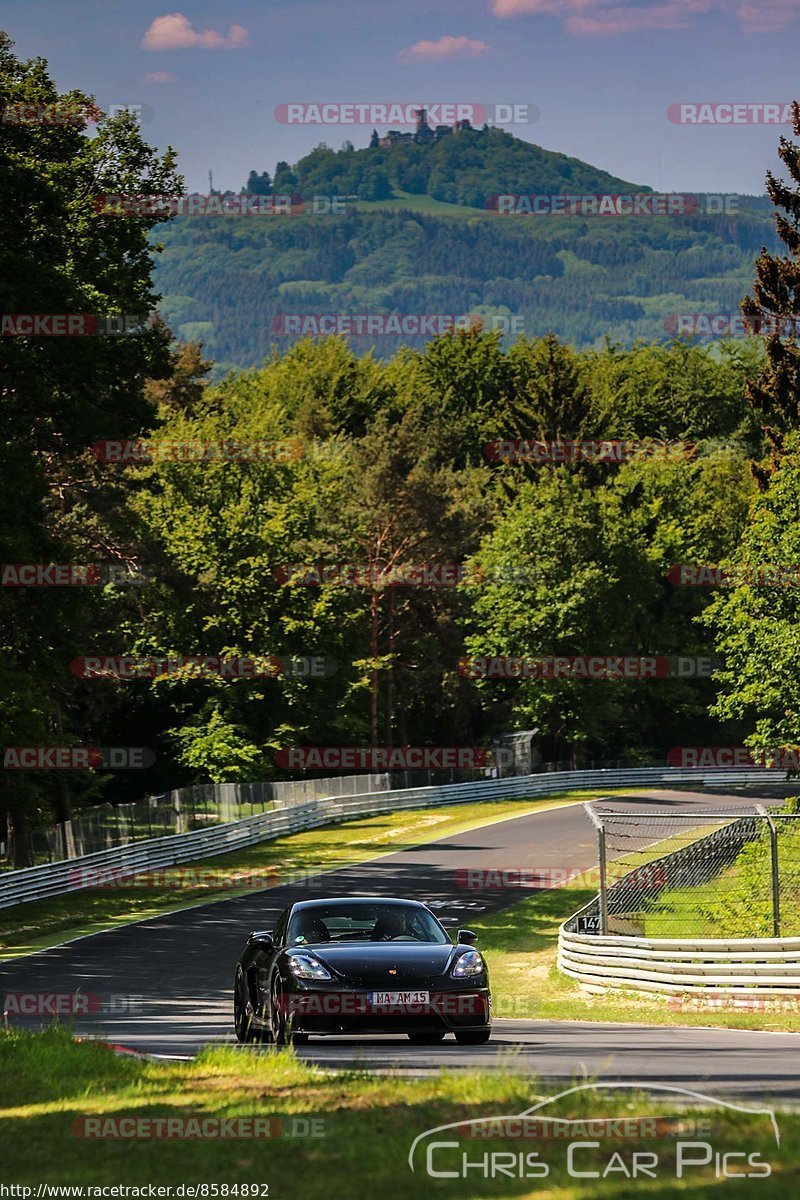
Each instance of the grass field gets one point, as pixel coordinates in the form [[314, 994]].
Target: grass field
[[410, 202], [348, 1137]]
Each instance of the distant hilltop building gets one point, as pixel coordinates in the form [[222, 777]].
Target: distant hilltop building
[[423, 133]]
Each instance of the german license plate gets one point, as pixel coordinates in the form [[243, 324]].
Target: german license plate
[[390, 999]]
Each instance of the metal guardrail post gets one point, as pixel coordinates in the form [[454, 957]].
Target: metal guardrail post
[[776, 879], [602, 864]]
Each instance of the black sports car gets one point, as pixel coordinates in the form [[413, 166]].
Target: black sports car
[[361, 965]]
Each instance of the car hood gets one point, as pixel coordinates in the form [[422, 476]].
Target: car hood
[[367, 964]]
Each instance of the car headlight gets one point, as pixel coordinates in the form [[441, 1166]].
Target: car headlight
[[468, 963], [306, 966]]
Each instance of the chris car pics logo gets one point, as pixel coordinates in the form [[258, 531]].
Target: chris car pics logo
[[667, 1142]]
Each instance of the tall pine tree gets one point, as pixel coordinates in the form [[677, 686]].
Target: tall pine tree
[[775, 307]]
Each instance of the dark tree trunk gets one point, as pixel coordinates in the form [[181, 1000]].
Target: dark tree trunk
[[18, 829], [390, 673], [373, 646], [61, 802]]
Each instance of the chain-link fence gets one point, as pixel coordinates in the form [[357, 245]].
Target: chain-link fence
[[106, 825], [722, 873]]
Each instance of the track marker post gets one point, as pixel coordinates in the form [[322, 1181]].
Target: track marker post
[[601, 862]]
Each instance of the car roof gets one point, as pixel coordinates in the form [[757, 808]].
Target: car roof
[[356, 900]]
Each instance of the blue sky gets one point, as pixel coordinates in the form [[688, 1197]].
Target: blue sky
[[602, 73]]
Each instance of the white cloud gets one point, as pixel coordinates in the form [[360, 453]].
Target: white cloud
[[174, 31], [446, 47]]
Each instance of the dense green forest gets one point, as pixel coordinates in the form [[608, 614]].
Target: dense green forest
[[231, 280], [387, 466]]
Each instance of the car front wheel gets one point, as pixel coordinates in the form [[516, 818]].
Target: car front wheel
[[243, 1015], [282, 1032]]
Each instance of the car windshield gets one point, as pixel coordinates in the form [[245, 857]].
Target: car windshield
[[343, 922]]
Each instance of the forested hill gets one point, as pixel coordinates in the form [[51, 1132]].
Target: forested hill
[[417, 237], [467, 168]]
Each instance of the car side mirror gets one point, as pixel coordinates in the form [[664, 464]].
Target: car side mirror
[[263, 940], [466, 937]]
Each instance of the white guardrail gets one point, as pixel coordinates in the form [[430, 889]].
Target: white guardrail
[[54, 879], [673, 966]]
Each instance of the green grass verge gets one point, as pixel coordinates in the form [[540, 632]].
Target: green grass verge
[[35, 926], [364, 1127]]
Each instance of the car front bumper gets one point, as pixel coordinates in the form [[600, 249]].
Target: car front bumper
[[354, 1010]]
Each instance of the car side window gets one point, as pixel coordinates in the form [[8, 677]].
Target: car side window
[[279, 936]]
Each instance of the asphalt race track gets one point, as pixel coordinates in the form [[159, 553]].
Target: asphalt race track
[[171, 976]]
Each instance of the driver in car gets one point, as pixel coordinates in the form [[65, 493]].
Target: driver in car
[[391, 925], [311, 932]]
